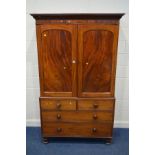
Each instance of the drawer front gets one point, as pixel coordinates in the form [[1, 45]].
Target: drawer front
[[77, 116], [47, 104], [77, 129], [96, 104]]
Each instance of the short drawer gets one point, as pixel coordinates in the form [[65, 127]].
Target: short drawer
[[77, 129], [96, 104], [48, 104], [77, 116]]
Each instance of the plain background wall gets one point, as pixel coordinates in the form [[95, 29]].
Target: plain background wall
[[77, 6]]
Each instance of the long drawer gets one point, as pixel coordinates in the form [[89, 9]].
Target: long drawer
[[57, 104], [77, 129], [72, 116]]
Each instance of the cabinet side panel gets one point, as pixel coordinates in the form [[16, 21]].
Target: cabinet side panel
[[40, 61]]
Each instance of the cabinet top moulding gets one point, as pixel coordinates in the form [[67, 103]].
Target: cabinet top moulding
[[80, 16]]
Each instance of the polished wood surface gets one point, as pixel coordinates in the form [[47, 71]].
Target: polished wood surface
[[96, 105], [57, 60], [77, 56], [57, 53], [77, 116], [47, 104], [96, 60], [77, 129]]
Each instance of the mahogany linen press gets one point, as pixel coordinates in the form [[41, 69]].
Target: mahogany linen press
[[77, 56]]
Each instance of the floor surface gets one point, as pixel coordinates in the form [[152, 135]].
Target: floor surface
[[74, 146]]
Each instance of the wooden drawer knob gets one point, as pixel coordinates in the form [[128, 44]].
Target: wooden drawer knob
[[95, 116], [95, 105], [59, 129], [94, 130], [58, 116], [58, 105]]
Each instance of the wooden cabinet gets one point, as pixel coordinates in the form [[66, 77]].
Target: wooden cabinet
[[77, 65]]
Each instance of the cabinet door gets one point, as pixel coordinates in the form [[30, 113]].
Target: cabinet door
[[57, 59], [97, 47]]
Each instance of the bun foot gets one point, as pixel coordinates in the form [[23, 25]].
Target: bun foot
[[45, 140], [108, 141]]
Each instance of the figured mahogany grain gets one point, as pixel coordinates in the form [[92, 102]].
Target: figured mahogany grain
[[98, 48], [57, 49], [97, 61], [57, 60]]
